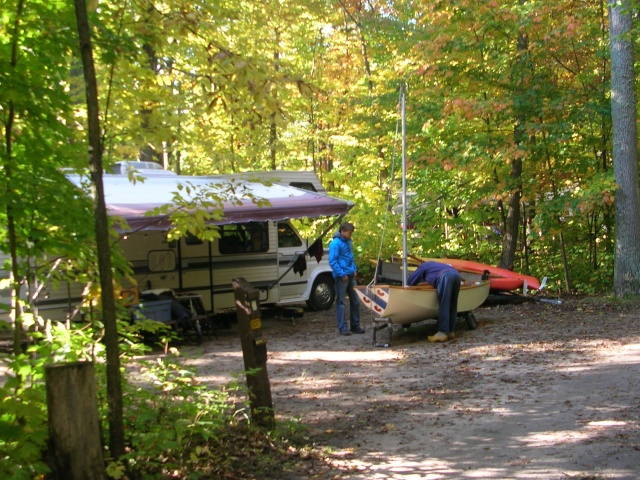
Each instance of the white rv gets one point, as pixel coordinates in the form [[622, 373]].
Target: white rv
[[257, 241], [261, 252], [305, 180]]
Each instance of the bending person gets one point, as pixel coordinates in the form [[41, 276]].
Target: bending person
[[446, 280]]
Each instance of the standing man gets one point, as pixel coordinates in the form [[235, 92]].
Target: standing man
[[447, 280], [344, 274]]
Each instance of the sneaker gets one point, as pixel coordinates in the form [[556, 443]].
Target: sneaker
[[438, 337], [357, 330], [451, 335], [345, 333]]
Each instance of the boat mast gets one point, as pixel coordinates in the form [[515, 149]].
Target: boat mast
[[404, 186]]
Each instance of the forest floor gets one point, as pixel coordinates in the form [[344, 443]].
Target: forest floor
[[537, 391]]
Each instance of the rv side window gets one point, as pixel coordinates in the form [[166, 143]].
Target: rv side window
[[287, 236], [191, 239], [161, 260], [252, 237]]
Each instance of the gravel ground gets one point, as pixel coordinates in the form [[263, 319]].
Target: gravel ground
[[537, 391]]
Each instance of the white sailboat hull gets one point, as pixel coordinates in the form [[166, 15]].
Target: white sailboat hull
[[406, 305]]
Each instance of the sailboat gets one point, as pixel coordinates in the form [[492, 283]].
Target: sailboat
[[398, 303]]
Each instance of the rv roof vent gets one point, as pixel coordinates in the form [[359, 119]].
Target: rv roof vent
[[124, 167]]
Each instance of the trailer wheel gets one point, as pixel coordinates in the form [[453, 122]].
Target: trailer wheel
[[471, 321], [323, 293]]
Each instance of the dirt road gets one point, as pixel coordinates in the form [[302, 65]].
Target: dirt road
[[537, 391]]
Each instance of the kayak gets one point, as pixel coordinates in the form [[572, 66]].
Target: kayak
[[500, 279]]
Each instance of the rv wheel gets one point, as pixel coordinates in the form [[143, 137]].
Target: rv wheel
[[323, 293]]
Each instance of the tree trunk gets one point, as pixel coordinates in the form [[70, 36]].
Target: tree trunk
[[16, 318], [114, 385], [626, 278], [273, 127], [74, 425], [525, 243], [565, 264], [510, 238], [147, 152]]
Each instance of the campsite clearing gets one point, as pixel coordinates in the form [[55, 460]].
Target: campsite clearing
[[538, 391]]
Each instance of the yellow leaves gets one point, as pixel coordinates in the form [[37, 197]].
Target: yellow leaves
[[164, 80], [344, 140]]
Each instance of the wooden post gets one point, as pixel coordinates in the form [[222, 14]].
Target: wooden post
[[254, 351], [74, 428]]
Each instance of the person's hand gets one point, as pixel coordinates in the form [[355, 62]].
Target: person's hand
[[345, 278]]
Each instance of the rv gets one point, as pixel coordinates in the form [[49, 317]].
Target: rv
[[257, 241], [300, 179], [306, 180]]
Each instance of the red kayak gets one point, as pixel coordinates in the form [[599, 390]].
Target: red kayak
[[500, 278]]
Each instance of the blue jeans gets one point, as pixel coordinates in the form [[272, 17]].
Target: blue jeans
[[448, 288], [342, 290]]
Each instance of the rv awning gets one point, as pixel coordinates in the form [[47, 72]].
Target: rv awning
[[134, 201]]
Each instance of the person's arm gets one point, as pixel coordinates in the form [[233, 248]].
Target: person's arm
[[419, 276], [334, 259]]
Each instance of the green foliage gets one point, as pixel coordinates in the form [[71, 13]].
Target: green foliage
[[23, 423], [232, 86], [23, 416], [174, 425], [316, 87], [171, 421], [468, 87]]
